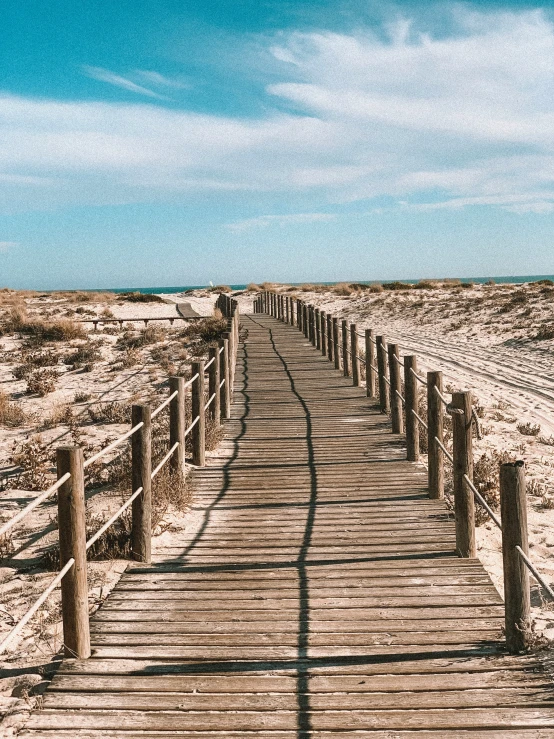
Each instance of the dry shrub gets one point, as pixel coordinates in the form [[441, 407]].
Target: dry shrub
[[252, 287], [547, 440], [220, 289], [206, 330], [486, 478], [396, 285], [546, 331], [136, 297], [7, 546], [214, 434], [112, 412], [376, 288], [61, 330], [342, 288], [426, 285], [134, 340], [529, 428], [36, 461], [42, 382], [11, 413], [81, 397], [107, 313], [86, 354], [59, 414]]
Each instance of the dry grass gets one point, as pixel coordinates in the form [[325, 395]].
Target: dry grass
[[136, 297], [486, 478], [206, 330], [12, 414], [112, 412], [529, 429], [42, 382], [41, 330], [131, 339], [85, 355], [35, 460]]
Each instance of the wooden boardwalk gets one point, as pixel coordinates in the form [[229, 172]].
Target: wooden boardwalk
[[318, 595]]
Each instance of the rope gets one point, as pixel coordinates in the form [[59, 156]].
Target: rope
[[420, 419], [193, 424], [418, 377], [539, 578], [222, 349], [483, 502], [163, 405], [210, 362], [222, 383], [401, 397], [209, 401], [111, 446], [445, 450], [441, 396], [192, 379], [36, 605], [164, 460], [116, 515], [33, 504]]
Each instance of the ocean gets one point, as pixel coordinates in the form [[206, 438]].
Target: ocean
[[517, 279]]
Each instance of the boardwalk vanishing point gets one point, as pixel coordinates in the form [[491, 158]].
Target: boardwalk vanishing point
[[320, 594]]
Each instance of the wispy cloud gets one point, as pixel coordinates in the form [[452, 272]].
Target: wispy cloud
[[7, 245], [434, 121], [104, 75], [281, 221], [160, 80]]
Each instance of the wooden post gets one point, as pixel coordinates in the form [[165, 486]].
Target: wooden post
[[395, 389], [305, 320], [72, 537], [317, 328], [464, 502], [177, 424], [312, 324], [287, 309], [354, 350], [292, 321], [323, 325], [224, 391], [213, 385], [299, 314], [384, 395], [141, 453], [517, 603], [230, 335], [412, 406], [345, 362], [198, 432], [330, 345], [370, 373], [435, 456], [336, 347]]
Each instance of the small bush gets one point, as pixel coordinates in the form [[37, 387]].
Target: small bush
[[81, 397], [396, 286], [529, 429], [11, 414], [221, 289], [207, 329], [149, 335], [112, 412], [85, 354], [59, 414], [426, 285], [342, 288], [136, 297], [545, 332], [486, 478], [34, 458], [42, 382], [252, 287], [376, 288]]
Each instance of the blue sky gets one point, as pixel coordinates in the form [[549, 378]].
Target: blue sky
[[167, 143]]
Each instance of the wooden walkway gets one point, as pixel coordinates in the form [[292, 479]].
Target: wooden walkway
[[319, 594]]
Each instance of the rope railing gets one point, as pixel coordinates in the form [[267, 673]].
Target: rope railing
[[24, 620], [314, 324], [166, 402], [71, 467], [33, 504]]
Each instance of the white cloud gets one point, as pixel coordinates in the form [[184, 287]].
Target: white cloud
[[449, 121], [7, 245], [276, 220], [155, 78], [104, 75]]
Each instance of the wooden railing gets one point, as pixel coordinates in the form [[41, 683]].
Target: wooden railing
[[385, 371], [70, 485]]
